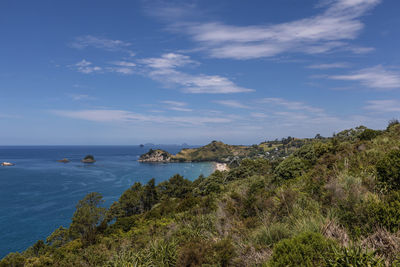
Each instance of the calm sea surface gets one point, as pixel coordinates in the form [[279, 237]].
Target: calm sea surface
[[38, 194]]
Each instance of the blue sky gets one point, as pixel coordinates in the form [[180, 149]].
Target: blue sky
[[130, 72]]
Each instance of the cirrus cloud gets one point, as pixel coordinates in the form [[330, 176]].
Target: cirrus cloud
[[110, 115], [375, 77], [339, 23]]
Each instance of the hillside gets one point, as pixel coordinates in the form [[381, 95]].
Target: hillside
[[331, 202], [219, 152]]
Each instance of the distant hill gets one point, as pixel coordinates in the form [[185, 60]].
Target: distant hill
[[218, 151]]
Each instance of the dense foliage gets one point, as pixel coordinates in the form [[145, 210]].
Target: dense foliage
[[331, 202]]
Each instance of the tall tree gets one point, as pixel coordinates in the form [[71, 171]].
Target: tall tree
[[87, 217]]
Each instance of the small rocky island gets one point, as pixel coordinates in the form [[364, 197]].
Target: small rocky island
[[88, 159], [157, 155], [64, 160], [7, 164]]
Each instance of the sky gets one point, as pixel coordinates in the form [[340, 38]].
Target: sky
[[170, 72]]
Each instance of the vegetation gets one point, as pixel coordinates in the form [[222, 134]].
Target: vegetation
[[325, 202], [88, 159], [232, 154]]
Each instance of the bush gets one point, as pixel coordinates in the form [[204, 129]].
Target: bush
[[192, 254], [248, 168], [305, 249], [385, 213], [365, 217], [354, 256], [291, 167], [212, 184], [392, 123], [176, 186], [368, 134], [388, 169], [13, 259], [224, 251], [272, 234]]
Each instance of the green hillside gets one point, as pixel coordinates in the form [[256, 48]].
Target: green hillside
[[215, 151], [331, 202]]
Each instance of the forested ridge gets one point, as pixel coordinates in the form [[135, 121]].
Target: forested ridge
[[329, 202]]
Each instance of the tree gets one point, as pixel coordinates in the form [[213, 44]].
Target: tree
[[131, 200], [58, 238], [176, 186], [87, 218], [150, 196]]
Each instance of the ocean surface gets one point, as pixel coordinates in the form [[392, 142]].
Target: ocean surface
[[38, 194]]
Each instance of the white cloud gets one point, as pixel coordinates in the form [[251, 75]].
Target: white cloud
[[231, 103], [339, 23], [174, 103], [360, 49], [259, 115], [101, 43], [123, 67], [107, 115], [180, 109], [164, 70], [337, 65], [168, 61], [376, 77], [291, 105], [122, 70], [78, 97], [87, 67], [383, 106], [176, 106], [123, 63]]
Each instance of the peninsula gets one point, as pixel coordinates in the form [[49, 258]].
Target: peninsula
[[217, 151]]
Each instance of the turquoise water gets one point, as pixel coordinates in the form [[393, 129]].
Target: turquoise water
[[38, 194]]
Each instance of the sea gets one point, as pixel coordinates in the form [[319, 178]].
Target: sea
[[39, 194]]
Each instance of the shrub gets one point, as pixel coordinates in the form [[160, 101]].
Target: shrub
[[392, 123], [354, 256], [368, 134], [248, 168], [162, 253], [58, 238], [388, 169], [366, 216], [385, 213], [224, 252], [212, 184], [13, 259], [192, 254], [272, 234], [176, 186], [305, 249], [291, 167]]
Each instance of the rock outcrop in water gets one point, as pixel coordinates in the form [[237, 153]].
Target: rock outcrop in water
[[89, 159], [7, 164], [157, 155], [63, 160]]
